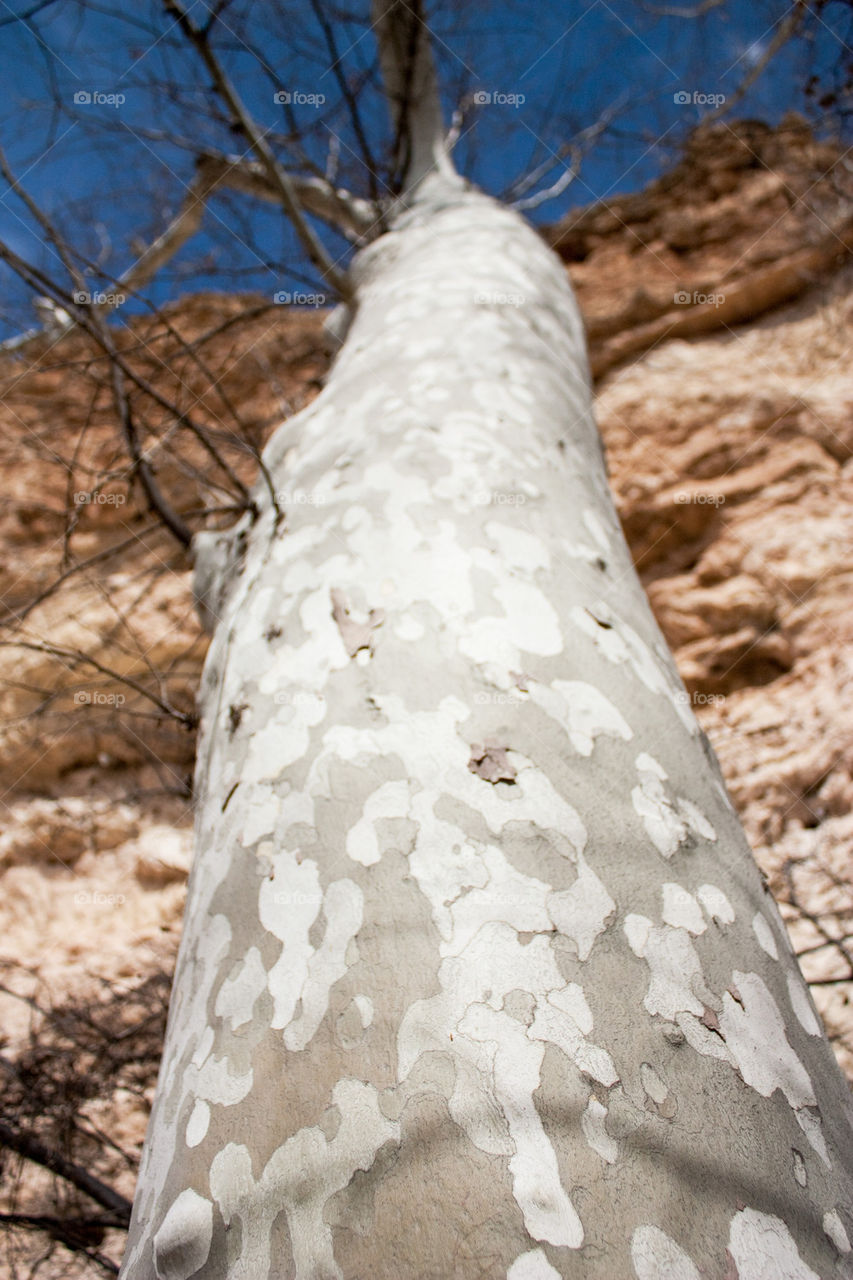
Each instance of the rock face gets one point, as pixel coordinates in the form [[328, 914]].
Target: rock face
[[745, 222], [728, 425]]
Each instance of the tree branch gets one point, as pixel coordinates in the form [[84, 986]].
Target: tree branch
[[32, 1148], [278, 178], [353, 217], [411, 83]]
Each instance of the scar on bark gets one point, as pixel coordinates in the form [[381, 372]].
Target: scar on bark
[[490, 761], [355, 635], [235, 715]]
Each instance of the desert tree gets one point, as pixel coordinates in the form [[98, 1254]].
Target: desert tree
[[478, 974]]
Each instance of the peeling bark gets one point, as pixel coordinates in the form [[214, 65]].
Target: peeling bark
[[430, 1019], [478, 975]]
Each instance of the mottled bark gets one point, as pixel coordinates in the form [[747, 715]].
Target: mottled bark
[[478, 977]]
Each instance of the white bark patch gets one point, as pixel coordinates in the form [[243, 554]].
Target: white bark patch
[[189, 1011], [436, 756], [834, 1228], [582, 711], [654, 1085], [764, 934], [182, 1243], [213, 1082], [261, 813], [532, 1266], [674, 967], [677, 990], [800, 1003], [498, 1060], [596, 527], [198, 1124], [548, 1212], [391, 800], [799, 1166], [364, 1004], [809, 1122], [681, 910], [762, 1246], [530, 625], [565, 1019], [716, 903], [288, 904], [647, 764], [508, 895], [236, 997], [619, 643], [408, 628], [520, 549], [755, 1034], [284, 741], [695, 818], [343, 907], [592, 1123], [667, 819], [656, 1257], [582, 911], [299, 1178]]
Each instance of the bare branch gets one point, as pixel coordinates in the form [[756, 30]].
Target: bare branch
[[353, 217], [576, 149], [75, 656], [276, 175], [349, 98], [31, 1148], [96, 326], [411, 83], [70, 1232]]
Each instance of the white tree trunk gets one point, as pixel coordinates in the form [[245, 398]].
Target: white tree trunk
[[478, 976]]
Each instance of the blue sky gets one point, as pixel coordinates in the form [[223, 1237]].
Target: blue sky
[[108, 173]]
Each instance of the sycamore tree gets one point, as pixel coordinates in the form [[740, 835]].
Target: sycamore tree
[[478, 975]]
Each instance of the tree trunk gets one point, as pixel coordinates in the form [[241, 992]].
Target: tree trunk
[[478, 976]]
